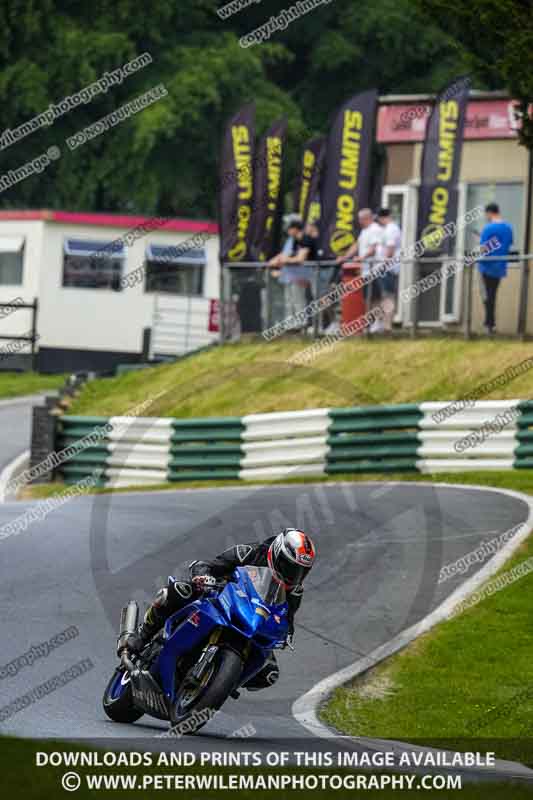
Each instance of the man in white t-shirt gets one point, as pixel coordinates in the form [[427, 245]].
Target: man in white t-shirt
[[389, 251], [366, 250]]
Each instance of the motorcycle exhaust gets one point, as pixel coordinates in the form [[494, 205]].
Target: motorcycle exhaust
[[129, 620]]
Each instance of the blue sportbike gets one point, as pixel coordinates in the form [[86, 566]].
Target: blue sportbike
[[203, 654]]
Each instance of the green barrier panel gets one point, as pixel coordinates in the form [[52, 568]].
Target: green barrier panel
[[365, 411], [524, 450], [83, 421], [73, 480], [523, 463], [525, 420], [207, 461], [207, 448], [374, 423], [218, 434], [71, 437], [82, 470], [62, 445], [407, 465], [346, 440], [372, 453], [86, 458], [203, 475], [208, 422], [80, 433]]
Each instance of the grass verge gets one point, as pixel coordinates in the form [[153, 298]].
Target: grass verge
[[18, 384], [468, 680], [518, 480], [250, 378]]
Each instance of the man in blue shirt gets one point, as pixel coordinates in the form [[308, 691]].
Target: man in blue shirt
[[494, 270]]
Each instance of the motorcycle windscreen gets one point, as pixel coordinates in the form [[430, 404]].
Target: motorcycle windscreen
[[269, 590]]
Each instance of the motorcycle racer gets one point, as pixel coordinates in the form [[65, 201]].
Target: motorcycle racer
[[290, 557]]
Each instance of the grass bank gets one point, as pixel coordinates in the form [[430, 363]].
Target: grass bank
[[518, 480], [255, 377], [469, 680], [18, 384]]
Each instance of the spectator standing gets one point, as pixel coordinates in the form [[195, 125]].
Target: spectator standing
[[311, 238], [493, 271], [295, 277], [327, 278], [388, 251], [365, 250]]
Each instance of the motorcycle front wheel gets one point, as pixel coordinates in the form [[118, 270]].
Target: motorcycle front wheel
[[118, 699], [216, 686]]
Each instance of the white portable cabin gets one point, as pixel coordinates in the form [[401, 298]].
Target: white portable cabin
[[107, 290]]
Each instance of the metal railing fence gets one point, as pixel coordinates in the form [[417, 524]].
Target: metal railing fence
[[250, 292]]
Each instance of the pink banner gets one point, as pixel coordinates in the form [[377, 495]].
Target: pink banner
[[485, 119]]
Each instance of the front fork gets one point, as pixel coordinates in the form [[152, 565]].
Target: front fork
[[209, 653]]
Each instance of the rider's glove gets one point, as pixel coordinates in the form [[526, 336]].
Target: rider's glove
[[289, 641]]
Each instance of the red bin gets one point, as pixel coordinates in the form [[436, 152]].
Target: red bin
[[353, 302]]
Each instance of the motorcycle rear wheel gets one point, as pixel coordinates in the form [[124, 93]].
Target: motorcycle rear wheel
[[220, 681]]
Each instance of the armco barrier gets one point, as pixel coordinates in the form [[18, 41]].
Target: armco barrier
[[373, 439], [409, 437]]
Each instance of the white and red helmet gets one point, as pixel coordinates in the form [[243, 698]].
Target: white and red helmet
[[291, 556]]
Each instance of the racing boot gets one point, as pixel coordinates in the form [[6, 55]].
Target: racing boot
[[168, 599]]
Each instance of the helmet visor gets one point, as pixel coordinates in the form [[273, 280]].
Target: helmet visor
[[291, 573]]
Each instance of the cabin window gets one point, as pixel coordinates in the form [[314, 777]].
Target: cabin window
[[171, 269], [92, 264], [11, 260]]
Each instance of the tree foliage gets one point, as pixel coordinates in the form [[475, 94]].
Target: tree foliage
[[164, 159], [495, 38]]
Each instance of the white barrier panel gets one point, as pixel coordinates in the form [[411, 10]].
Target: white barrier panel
[[282, 471], [124, 476], [286, 424], [470, 418], [463, 464], [141, 429], [443, 443], [304, 451]]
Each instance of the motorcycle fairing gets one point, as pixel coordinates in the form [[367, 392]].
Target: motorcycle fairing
[[237, 607]]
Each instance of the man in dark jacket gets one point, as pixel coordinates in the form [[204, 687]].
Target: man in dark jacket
[[290, 556]]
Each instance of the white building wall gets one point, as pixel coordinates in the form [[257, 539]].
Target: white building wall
[[19, 322], [89, 319]]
